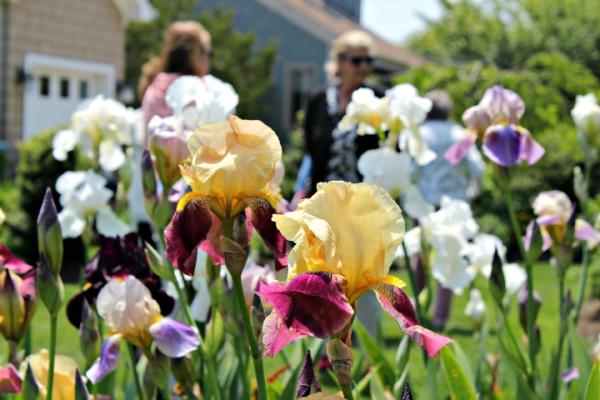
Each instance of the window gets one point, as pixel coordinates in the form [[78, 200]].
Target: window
[[44, 85], [300, 80], [83, 89], [64, 88]]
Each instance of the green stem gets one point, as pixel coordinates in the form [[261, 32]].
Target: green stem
[[50, 385], [555, 368], [136, 378], [242, 354], [529, 271], [251, 338], [347, 391], [212, 378], [585, 264]]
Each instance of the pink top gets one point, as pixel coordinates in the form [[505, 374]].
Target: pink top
[[153, 102]]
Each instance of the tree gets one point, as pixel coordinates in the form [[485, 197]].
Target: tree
[[506, 32], [236, 58]]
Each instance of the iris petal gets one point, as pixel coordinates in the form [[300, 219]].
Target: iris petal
[[173, 338], [313, 304], [398, 305], [108, 360], [188, 228]]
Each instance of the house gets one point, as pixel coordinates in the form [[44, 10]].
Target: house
[[54, 54], [304, 30]]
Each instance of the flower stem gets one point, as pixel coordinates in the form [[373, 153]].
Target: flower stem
[[251, 338], [50, 385], [136, 378], [413, 281], [529, 271], [347, 391], [585, 264], [555, 367]]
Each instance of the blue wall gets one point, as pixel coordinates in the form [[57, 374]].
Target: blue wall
[[294, 45]]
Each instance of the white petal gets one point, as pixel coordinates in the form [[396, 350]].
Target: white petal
[[63, 142], [475, 307], [412, 241], [111, 155], [415, 204], [386, 168], [514, 277], [71, 224], [201, 303], [108, 224], [419, 150]]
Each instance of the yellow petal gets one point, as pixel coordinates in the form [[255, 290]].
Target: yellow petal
[[231, 161], [64, 374], [348, 229]]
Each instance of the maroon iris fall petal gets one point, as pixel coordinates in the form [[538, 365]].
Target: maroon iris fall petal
[[311, 304], [260, 216], [396, 303], [187, 229]]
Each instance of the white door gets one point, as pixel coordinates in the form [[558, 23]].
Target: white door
[[56, 88]]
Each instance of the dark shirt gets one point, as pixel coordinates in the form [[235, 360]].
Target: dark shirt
[[318, 128]]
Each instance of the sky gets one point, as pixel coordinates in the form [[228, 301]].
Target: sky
[[395, 20]]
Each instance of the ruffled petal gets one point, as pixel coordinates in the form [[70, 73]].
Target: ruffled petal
[[188, 228], [260, 216], [276, 334], [71, 224], [586, 232], [108, 360], [396, 303], [531, 151], [173, 338], [502, 144], [109, 224], [459, 150], [312, 303], [111, 155]]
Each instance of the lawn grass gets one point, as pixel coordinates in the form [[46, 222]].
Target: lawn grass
[[460, 328]]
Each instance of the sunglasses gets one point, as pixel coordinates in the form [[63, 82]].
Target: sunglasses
[[358, 60]]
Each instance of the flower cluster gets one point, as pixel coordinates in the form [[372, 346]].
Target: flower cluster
[[400, 113], [102, 126]]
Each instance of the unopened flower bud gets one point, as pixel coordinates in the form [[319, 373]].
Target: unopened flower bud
[[308, 381], [406, 393], [537, 304], [49, 288], [235, 256], [159, 366], [340, 355], [169, 150], [89, 336], [12, 306], [157, 263], [81, 392], [497, 281], [184, 372], [50, 240]]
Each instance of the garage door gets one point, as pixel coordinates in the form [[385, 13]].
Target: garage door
[[57, 86]]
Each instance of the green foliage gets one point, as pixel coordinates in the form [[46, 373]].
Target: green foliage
[[458, 381], [36, 170], [236, 58], [505, 33], [548, 87]]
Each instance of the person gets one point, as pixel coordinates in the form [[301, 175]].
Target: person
[[439, 178], [334, 153], [186, 51]]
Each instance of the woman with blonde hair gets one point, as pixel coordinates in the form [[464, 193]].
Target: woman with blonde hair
[[186, 51], [334, 153]]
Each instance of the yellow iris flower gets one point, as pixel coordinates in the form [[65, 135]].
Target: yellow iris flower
[[64, 374], [231, 162], [351, 230]]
